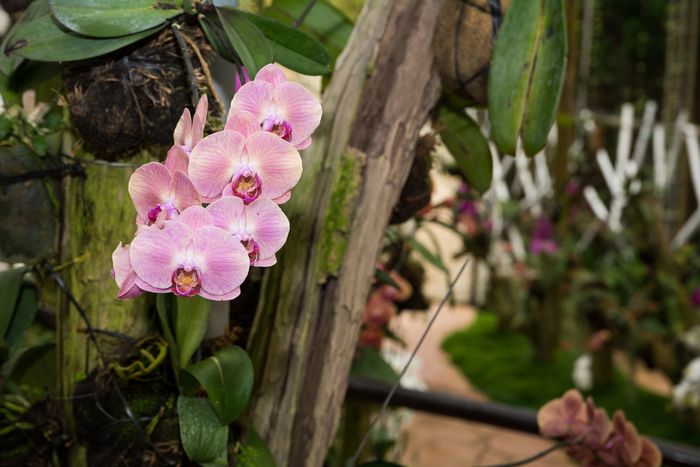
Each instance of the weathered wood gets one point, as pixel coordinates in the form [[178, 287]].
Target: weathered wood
[[98, 214], [308, 320]]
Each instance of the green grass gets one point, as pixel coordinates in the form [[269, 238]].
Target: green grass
[[502, 366]]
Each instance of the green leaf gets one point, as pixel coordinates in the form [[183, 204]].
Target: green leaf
[[44, 40], [369, 364], [189, 321], [527, 74], [323, 22], [10, 286], [383, 277], [25, 311], [113, 18], [292, 48], [203, 436], [165, 303], [9, 63], [468, 147], [253, 451], [34, 367], [428, 255], [247, 40], [216, 36], [227, 377]]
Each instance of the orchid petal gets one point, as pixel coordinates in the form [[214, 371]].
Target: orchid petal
[[149, 185], [300, 108], [154, 253], [267, 225], [183, 128], [195, 217], [284, 198], [201, 111], [271, 73], [243, 122], [224, 262], [177, 160], [304, 144], [255, 97], [227, 296], [213, 161], [129, 289], [267, 262], [227, 213], [186, 194], [276, 161], [121, 264]]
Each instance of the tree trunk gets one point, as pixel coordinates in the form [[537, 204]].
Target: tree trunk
[[98, 214], [308, 321]]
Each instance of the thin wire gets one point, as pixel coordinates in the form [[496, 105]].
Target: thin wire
[[305, 12], [385, 404]]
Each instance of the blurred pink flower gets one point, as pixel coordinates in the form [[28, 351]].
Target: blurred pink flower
[[189, 256], [280, 107]]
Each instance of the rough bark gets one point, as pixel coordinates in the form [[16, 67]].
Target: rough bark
[[98, 214], [308, 322]]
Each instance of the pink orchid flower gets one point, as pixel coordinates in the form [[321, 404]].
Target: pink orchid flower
[[261, 226], [190, 130], [123, 273], [564, 417], [189, 256], [280, 107], [227, 163], [159, 194]]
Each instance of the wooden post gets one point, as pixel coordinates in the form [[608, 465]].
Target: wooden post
[[308, 321]]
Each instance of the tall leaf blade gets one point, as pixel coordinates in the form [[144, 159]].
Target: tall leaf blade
[[113, 18], [547, 80], [10, 286], [203, 436], [190, 318], [25, 311], [227, 377], [247, 40], [292, 48], [514, 56], [468, 146], [42, 39], [253, 451]]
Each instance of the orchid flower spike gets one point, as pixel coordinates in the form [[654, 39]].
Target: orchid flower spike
[[190, 256], [227, 163], [261, 227], [279, 106], [160, 195]]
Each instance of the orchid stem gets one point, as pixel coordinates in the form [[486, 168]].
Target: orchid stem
[[184, 51]]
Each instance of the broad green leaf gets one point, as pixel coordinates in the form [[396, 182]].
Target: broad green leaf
[[292, 48], [324, 22], [428, 255], [202, 434], [113, 18], [468, 146], [253, 452], [189, 322], [25, 310], [369, 364], [34, 367], [216, 36], [10, 286], [527, 74], [9, 63], [247, 40], [227, 377], [44, 40]]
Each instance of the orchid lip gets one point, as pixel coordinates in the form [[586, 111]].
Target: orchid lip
[[253, 249], [247, 186], [186, 282], [280, 127]]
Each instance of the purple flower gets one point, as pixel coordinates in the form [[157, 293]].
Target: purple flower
[[695, 297], [543, 238]]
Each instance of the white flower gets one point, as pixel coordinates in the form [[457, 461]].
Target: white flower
[[582, 373], [686, 394]]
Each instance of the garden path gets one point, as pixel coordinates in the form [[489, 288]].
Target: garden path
[[432, 440]]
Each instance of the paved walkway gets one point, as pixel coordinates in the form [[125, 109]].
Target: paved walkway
[[438, 441]]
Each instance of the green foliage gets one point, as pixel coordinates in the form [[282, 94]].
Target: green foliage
[[468, 147], [227, 377], [18, 305], [32, 370], [184, 323], [202, 434], [253, 452], [247, 40], [428, 255], [323, 22], [10, 286], [527, 74], [369, 364], [502, 365], [292, 48], [113, 18]]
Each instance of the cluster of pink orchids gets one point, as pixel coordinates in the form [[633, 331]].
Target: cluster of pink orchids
[[210, 211], [592, 437]]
